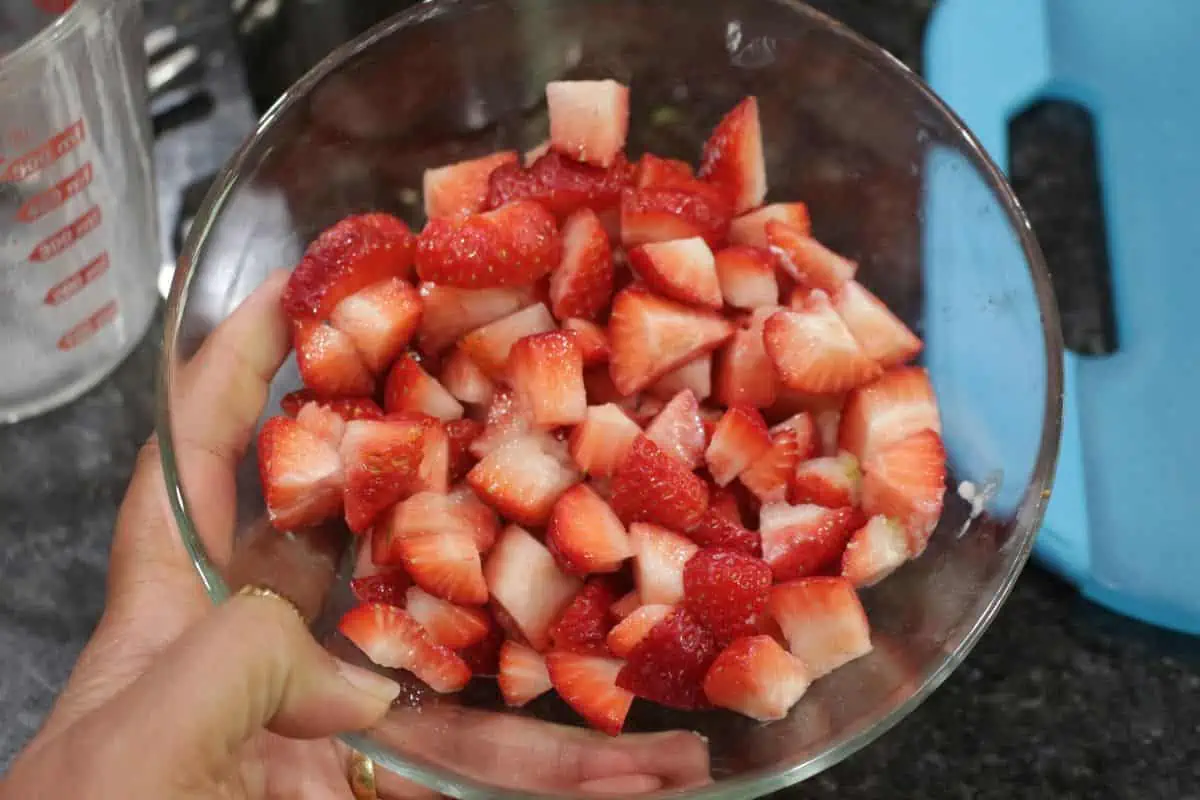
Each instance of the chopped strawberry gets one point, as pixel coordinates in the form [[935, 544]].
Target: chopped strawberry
[[875, 551], [380, 320], [726, 591], [446, 565], [322, 421], [751, 228], [650, 485], [632, 629], [650, 337], [483, 657], [507, 419], [584, 624], [827, 423], [695, 376], [659, 558], [768, 477], [588, 684], [348, 408], [561, 184], [906, 480], [388, 587], [739, 440], [600, 442], [644, 408], [897, 405], [328, 361], [813, 350], [588, 119], [733, 156], [460, 189], [747, 276], [590, 338], [755, 676], [546, 372], [803, 540], [522, 481], [353, 254], [807, 261], [457, 512], [513, 245], [489, 346], [718, 530], [461, 434], [585, 535], [522, 675], [803, 424], [583, 282], [383, 463], [669, 664], [390, 637], [880, 333], [454, 626], [464, 380], [823, 621], [655, 170], [680, 269], [301, 474], [679, 431], [724, 503], [626, 605], [745, 374], [528, 585], [830, 481], [450, 312], [411, 388], [662, 213]]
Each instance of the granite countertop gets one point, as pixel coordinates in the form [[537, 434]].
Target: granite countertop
[[1059, 700]]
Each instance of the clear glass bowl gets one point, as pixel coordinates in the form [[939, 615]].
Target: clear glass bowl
[[892, 179]]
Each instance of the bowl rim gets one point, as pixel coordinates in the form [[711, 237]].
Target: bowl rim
[[754, 783]]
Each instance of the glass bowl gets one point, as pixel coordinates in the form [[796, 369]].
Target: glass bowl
[[892, 179]]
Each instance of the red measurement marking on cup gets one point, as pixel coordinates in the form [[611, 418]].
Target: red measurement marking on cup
[[64, 238], [42, 204], [46, 153], [73, 284], [54, 6], [87, 329]]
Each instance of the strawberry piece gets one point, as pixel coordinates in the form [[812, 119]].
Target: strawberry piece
[[669, 664], [823, 621], [507, 419], [446, 565], [679, 431], [546, 372], [301, 475], [588, 119], [584, 624], [590, 338], [906, 480], [585, 535], [680, 269], [827, 423], [663, 213], [813, 350], [454, 626], [522, 674], [410, 388], [769, 476], [460, 189], [650, 337], [745, 375], [803, 424], [465, 380], [350, 256], [626, 605], [630, 631], [600, 442], [719, 530], [733, 156], [390, 637], [755, 676], [513, 245], [583, 282], [561, 184], [751, 228], [655, 170], [875, 551], [724, 503], [461, 434], [483, 657], [521, 480], [328, 361], [799, 541], [650, 485], [383, 463], [739, 440], [880, 333], [726, 591], [348, 408], [387, 587], [695, 376], [897, 405], [457, 512], [380, 320], [659, 559], [588, 684], [317, 419], [643, 409], [527, 583], [830, 481], [811, 264], [489, 346], [747, 276], [449, 312]]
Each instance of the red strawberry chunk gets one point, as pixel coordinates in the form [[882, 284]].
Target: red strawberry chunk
[[630, 631], [600, 442], [655, 170], [875, 551], [383, 463], [446, 565], [726, 591], [718, 530], [897, 405], [680, 269], [590, 338], [745, 374], [643, 409], [733, 156], [461, 434], [522, 481], [739, 440], [880, 333], [489, 346], [457, 512], [626, 605], [588, 684], [811, 264], [803, 424], [751, 228], [450, 312], [328, 361], [799, 541], [454, 626], [546, 372], [583, 282], [584, 624], [350, 256], [724, 503], [906, 480], [830, 481], [755, 676], [650, 337], [388, 587], [561, 184], [322, 421], [813, 350], [769, 476], [483, 657], [301, 475], [461, 188], [663, 213], [463, 379], [380, 320], [823, 621], [513, 245], [390, 637], [669, 664], [588, 119], [522, 675], [695, 376], [585, 535], [528, 584], [653, 486], [410, 388], [348, 408], [659, 558], [747, 276], [679, 431]]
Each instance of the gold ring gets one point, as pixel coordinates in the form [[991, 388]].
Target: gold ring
[[252, 590], [362, 777]]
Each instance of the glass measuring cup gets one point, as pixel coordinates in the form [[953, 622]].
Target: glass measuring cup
[[78, 250]]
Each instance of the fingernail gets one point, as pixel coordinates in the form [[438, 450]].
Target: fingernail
[[374, 684]]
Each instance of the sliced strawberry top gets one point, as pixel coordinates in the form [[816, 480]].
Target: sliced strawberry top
[[514, 245], [669, 664], [733, 156], [560, 184], [462, 188]]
